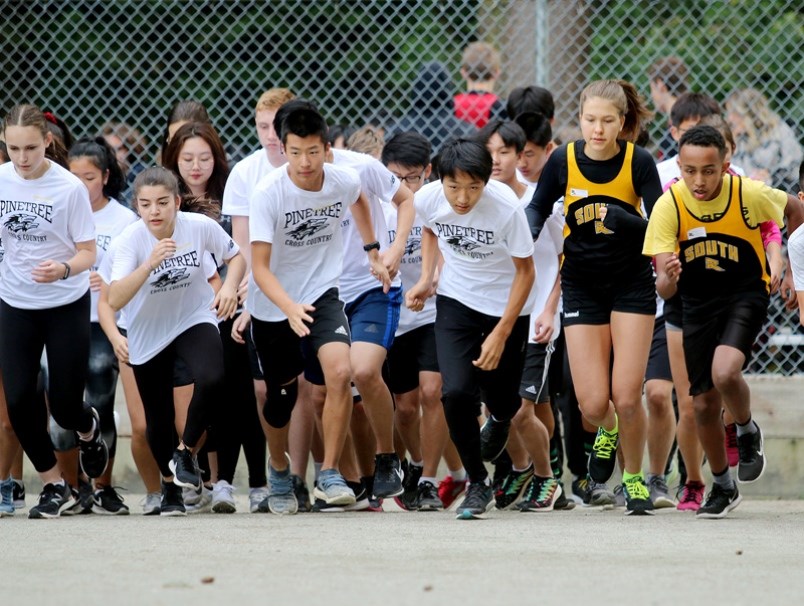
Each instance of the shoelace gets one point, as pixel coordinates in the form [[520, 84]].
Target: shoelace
[[731, 436], [635, 489], [280, 485], [333, 481], [605, 444], [542, 491], [693, 494], [513, 481]]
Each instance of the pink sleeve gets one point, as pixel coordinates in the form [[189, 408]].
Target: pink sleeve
[[770, 233]]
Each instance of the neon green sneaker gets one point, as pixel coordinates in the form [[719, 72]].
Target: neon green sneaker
[[637, 497]]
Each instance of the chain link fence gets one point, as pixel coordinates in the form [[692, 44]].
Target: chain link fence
[[92, 62]]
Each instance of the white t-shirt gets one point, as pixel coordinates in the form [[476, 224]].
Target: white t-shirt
[[304, 230], [176, 295], [242, 180], [546, 249], [795, 251], [410, 270], [110, 221], [42, 219], [477, 247], [105, 273], [377, 183]]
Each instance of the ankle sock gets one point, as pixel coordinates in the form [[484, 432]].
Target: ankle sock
[[749, 427], [724, 479]]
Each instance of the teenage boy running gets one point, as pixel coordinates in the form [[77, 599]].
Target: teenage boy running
[[481, 231], [712, 220]]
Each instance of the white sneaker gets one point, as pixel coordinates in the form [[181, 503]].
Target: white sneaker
[[223, 497], [197, 501], [152, 504], [255, 497]]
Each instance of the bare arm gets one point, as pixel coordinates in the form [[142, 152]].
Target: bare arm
[[226, 297], [82, 260], [668, 272], [123, 290], [361, 213], [419, 292], [406, 213]]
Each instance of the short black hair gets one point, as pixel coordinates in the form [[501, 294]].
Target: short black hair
[[510, 132], [704, 136], [408, 148], [291, 105], [304, 123], [689, 106], [466, 155], [536, 127], [531, 99]]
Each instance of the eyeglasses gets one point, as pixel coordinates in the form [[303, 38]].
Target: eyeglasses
[[412, 179]]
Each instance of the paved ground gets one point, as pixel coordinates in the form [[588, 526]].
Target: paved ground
[[584, 556]]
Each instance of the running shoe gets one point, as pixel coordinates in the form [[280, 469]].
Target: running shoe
[[53, 500], [541, 495], [598, 494], [258, 499], [410, 484], [603, 458], [197, 501], [732, 452], [93, 454], [450, 489], [172, 502], [152, 504], [579, 486], [637, 497], [493, 438], [513, 489], [332, 488], [301, 492], [719, 503], [427, 498], [7, 498], [375, 503], [223, 497], [107, 501], [691, 496], [478, 500], [361, 503], [19, 494], [185, 469], [281, 498], [387, 476], [83, 499], [619, 496], [752, 456], [659, 492]]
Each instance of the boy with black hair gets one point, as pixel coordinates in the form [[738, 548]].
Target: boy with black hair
[[481, 321], [531, 99], [538, 146], [298, 322], [712, 219]]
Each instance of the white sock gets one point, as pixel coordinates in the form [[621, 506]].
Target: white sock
[[432, 481], [458, 475], [417, 463]]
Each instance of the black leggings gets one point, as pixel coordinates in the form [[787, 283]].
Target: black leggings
[[64, 333], [460, 332], [199, 347], [237, 423]]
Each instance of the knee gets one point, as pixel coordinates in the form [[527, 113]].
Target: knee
[[726, 378], [339, 376], [431, 394], [365, 375], [407, 411], [279, 403], [707, 410], [659, 396]]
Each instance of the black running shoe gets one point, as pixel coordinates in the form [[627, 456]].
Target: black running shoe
[[478, 500], [83, 499], [410, 484], [603, 457], [541, 495], [637, 497], [172, 500], [513, 488], [719, 502], [52, 501], [301, 492], [427, 498], [562, 503], [19, 494], [108, 502], [751, 447], [94, 455], [185, 469], [493, 438], [387, 476]]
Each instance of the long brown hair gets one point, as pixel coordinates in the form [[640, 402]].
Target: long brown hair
[[26, 114], [626, 99], [220, 171]]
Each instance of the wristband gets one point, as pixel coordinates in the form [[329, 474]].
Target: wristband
[[67, 270], [373, 246]]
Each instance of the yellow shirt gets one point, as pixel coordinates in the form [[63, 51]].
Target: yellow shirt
[[760, 203]]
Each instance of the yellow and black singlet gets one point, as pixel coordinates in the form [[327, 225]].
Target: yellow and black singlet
[[720, 255]]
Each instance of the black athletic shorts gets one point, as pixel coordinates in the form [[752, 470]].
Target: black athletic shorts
[[535, 385], [734, 321], [283, 354], [658, 360], [410, 354], [673, 319], [593, 304]]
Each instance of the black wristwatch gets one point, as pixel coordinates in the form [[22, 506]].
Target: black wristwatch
[[373, 246], [67, 270]]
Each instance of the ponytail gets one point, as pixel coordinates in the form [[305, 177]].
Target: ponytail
[[636, 114]]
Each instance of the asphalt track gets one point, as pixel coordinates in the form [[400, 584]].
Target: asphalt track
[[584, 556]]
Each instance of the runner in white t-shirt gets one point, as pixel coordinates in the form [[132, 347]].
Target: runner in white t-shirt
[[49, 239], [159, 274], [297, 256], [529, 483], [481, 321]]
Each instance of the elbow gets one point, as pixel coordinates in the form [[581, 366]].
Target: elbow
[[115, 300]]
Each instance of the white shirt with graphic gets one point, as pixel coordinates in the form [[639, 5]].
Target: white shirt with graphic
[[110, 221], [241, 182], [42, 219], [176, 295], [477, 247], [377, 183], [410, 269], [304, 230]]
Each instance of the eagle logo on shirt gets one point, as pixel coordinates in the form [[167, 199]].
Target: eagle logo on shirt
[[462, 243], [20, 222], [307, 228], [413, 245], [171, 276]]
